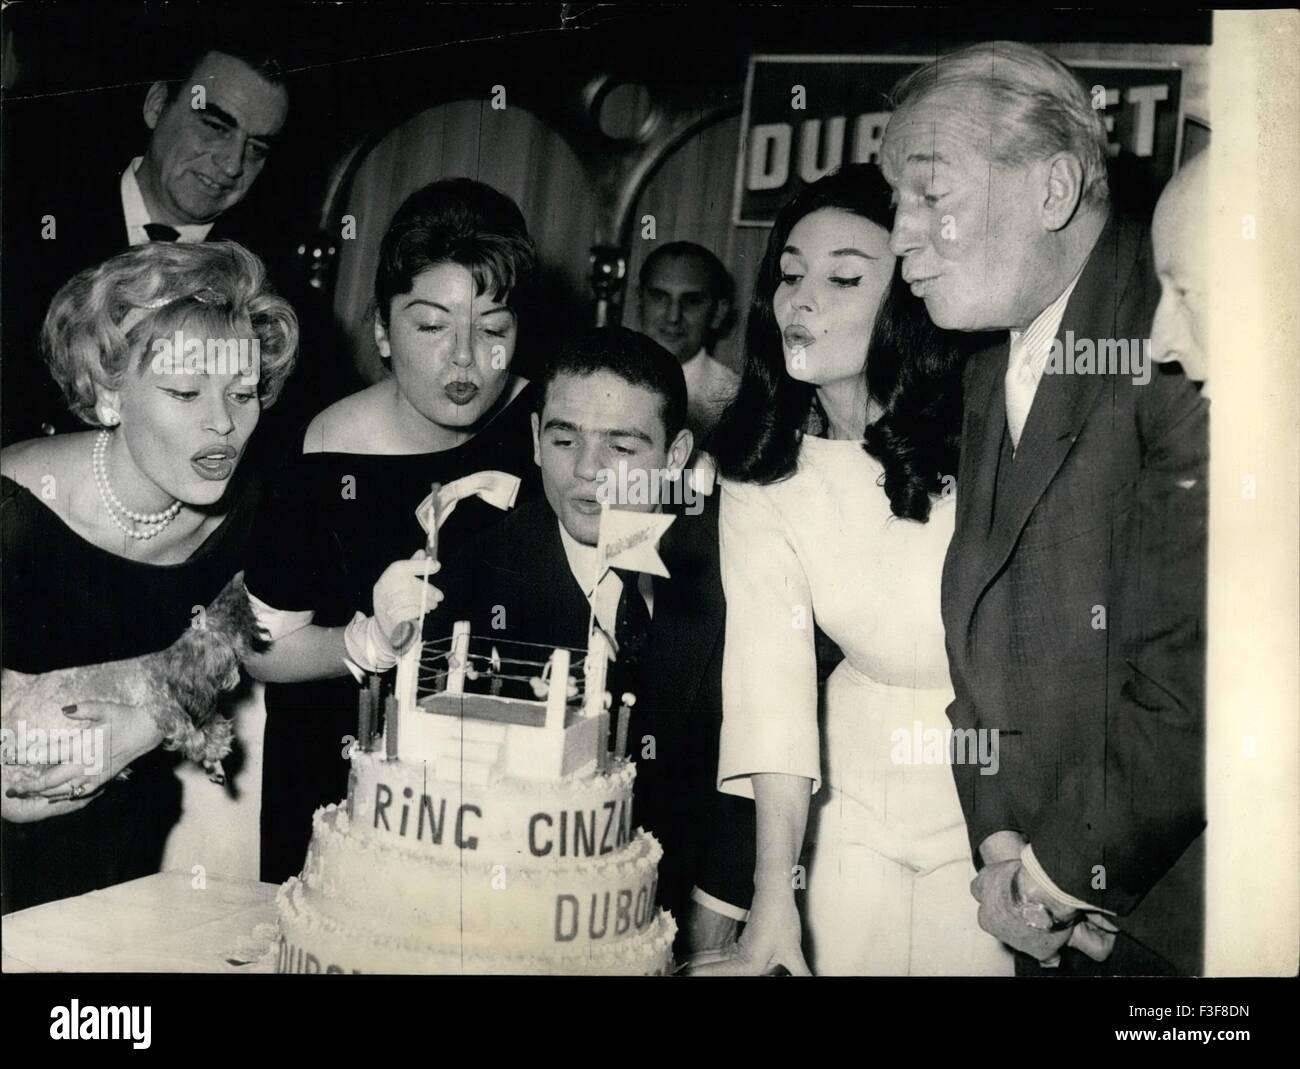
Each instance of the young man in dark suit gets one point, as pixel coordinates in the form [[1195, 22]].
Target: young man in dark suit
[[612, 418], [1073, 594]]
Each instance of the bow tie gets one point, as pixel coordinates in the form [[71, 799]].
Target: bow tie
[[161, 232]]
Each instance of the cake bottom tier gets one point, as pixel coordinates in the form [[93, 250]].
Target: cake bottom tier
[[311, 941]]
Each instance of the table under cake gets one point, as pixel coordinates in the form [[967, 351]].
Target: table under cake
[[168, 922]]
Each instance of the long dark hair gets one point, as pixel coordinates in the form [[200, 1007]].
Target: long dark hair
[[913, 371]]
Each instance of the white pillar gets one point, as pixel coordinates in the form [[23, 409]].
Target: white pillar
[[459, 657], [408, 676], [595, 670], [558, 697]]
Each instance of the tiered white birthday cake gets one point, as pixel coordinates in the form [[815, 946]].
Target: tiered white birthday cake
[[491, 832]]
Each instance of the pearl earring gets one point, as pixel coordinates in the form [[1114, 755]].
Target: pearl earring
[[107, 415]]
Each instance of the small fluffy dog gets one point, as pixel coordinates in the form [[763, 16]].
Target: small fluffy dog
[[180, 686]]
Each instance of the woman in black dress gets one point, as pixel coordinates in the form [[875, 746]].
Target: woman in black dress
[[451, 268], [112, 537]]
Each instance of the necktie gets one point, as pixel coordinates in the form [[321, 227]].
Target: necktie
[[161, 232], [632, 633], [632, 624], [1021, 382]]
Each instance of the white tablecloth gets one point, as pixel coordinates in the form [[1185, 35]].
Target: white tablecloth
[[170, 922]]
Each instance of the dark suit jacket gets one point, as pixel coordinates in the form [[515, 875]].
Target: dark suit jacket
[[1073, 602], [90, 228], [520, 575]]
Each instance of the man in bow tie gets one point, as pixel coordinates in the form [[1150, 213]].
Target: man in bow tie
[[610, 429], [211, 133], [1073, 594]]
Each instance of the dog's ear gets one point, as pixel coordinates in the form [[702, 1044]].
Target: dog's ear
[[251, 636], [231, 615]]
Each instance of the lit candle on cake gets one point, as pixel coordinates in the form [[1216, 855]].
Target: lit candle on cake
[[495, 670], [620, 736], [364, 700], [376, 692], [390, 728]]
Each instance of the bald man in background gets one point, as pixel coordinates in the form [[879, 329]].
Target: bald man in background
[[1180, 242], [686, 301]]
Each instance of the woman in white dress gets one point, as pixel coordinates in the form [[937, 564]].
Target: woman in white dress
[[837, 509]]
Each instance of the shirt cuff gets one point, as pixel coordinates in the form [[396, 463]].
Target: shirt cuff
[[706, 900], [367, 647], [1030, 862]]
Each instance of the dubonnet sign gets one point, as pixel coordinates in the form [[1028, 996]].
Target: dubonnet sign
[[806, 115]]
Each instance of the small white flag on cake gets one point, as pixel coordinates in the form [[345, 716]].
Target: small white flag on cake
[[630, 540], [497, 488]]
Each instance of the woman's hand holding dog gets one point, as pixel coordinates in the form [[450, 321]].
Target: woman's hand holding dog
[[116, 735], [18, 807]]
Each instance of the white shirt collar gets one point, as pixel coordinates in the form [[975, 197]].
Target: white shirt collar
[[583, 562], [602, 589], [137, 215], [1038, 336], [702, 357]]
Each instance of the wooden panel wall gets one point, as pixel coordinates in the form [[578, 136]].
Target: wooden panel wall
[[510, 150]]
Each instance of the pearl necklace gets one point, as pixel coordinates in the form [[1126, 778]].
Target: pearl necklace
[[155, 521]]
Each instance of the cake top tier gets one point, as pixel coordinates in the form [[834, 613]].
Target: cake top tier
[[483, 709]]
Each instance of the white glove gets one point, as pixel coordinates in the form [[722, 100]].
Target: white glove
[[397, 598], [398, 593]]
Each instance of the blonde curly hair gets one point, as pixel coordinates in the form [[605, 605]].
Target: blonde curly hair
[[101, 321]]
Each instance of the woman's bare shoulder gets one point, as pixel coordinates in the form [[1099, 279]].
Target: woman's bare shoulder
[[346, 426], [33, 463]]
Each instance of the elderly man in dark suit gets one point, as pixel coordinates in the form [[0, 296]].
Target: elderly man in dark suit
[[1073, 594], [613, 400], [211, 133]]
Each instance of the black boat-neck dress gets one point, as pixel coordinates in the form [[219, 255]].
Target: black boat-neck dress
[[68, 602], [333, 522]]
